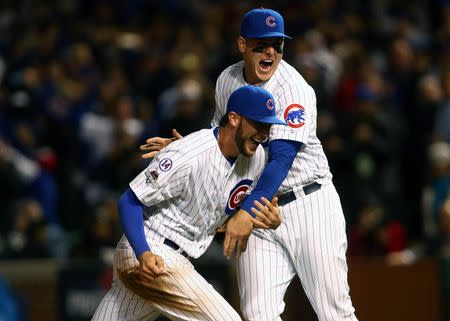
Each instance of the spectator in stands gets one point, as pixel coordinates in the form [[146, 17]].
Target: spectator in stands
[[442, 119], [65, 70], [436, 210], [375, 233]]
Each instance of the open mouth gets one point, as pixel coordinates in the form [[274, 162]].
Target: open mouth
[[266, 64]]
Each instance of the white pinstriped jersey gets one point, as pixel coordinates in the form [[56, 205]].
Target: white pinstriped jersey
[[295, 102], [189, 186]]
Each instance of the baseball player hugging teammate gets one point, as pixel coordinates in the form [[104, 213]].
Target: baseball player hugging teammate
[[311, 241], [174, 207]]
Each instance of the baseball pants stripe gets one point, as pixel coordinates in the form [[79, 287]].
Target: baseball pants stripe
[[312, 243], [264, 273]]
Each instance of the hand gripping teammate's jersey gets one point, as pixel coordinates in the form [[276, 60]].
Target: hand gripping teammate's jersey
[[190, 188], [295, 102]]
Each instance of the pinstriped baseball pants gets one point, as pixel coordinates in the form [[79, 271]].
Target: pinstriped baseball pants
[[181, 293], [311, 242]]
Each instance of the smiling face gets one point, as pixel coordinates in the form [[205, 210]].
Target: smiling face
[[261, 57], [249, 134]]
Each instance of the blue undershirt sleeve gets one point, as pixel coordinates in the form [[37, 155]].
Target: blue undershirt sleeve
[[281, 155], [132, 219]]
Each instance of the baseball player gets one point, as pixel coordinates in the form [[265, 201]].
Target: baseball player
[[311, 242], [174, 207]]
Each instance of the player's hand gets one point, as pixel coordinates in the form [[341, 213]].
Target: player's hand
[[268, 216], [155, 144], [238, 230], [150, 266]]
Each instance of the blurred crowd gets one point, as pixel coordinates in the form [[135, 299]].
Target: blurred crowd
[[84, 83]]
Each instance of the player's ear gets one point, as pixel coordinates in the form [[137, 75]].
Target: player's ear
[[234, 119], [241, 43]]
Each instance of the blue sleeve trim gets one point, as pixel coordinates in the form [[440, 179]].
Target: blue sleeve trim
[[281, 155], [131, 216]]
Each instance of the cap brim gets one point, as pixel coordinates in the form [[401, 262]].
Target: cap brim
[[269, 35], [268, 120]]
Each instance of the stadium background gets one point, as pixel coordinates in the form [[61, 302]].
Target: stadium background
[[83, 83]]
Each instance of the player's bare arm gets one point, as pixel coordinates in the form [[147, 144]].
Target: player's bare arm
[[150, 266], [155, 144], [237, 232]]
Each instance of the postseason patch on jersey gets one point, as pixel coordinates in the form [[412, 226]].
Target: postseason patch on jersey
[[152, 177], [237, 194], [294, 115]]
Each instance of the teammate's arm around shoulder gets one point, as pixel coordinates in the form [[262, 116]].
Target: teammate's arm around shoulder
[[154, 144]]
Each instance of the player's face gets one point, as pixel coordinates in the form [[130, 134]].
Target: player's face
[[249, 135], [261, 57]]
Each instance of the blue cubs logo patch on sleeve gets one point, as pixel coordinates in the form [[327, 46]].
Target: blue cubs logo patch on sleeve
[[294, 115], [237, 194]]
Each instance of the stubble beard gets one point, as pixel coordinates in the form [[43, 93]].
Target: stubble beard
[[240, 142]]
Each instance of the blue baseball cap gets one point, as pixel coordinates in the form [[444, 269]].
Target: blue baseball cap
[[255, 103], [262, 23]]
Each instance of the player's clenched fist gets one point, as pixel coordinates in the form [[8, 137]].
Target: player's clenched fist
[[150, 266]]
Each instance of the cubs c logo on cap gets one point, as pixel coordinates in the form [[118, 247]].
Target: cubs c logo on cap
[[270, 104], [294, 116], [270, 21], [237, 194]]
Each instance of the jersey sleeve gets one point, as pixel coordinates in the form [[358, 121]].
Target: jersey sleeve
[[221, 102], [297, 107], [166, 177]]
